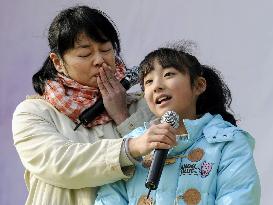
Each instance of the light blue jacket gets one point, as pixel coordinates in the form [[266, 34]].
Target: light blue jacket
[[213, 164]]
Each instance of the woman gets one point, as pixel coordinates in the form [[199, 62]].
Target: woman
[[64, 166]]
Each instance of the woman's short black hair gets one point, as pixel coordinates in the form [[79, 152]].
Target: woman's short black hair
[[70, 22], [64, 31]]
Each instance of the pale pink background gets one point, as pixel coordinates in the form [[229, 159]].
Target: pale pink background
[[235, 36]]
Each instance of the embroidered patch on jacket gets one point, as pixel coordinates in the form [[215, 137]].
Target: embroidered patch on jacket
[[144, 201], [192, 169], [205, 169], [189, 169], [196, 155]]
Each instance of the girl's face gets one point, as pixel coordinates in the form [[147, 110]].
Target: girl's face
[[82, 62], [168, 89]]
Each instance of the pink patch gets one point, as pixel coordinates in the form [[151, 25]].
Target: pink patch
[[206, 168]]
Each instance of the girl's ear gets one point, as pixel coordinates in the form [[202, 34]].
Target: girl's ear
[[58, 63], [200, 85]]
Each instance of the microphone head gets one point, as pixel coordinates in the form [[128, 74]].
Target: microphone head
[[131, 75], [170, 117]]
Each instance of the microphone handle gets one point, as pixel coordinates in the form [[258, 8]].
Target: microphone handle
[[90, 113], [156, 168], [125, 83]]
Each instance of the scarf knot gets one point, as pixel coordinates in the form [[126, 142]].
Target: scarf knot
[[72, 98]]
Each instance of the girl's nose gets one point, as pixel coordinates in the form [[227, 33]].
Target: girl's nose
[[158, 89], [158, 85]]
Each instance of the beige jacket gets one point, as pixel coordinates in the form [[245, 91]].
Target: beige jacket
[[65, 166]]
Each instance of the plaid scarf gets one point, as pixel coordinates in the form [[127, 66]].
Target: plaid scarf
[[72, 98]]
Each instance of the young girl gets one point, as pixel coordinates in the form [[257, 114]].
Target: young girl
[[212, 162]]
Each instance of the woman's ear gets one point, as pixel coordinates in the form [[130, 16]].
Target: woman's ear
[[58, 63], [200, 85]]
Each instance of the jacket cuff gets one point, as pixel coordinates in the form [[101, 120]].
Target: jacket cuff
[[125, 160], [134, 160], [113, 160]]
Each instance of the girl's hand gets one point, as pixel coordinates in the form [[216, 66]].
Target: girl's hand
[[161, 136], [113, 94]]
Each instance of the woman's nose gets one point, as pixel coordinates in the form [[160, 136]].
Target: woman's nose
[[98, 59]]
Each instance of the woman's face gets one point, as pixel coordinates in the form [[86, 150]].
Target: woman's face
[[82, 62], [168, 89]]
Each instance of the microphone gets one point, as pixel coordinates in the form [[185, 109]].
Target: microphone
[[160, 155], [130, 79]]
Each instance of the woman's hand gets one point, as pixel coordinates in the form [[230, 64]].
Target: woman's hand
[[161, 136], [113, 94]]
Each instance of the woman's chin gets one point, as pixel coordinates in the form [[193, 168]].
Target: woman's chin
[[92, 84]]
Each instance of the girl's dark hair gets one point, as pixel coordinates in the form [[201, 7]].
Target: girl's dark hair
[[217, 97], [63, 32]]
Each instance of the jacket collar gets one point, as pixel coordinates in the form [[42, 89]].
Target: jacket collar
[[212, 127], [194, 129]]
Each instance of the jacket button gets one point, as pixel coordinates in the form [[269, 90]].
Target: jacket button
[[131, 126], [196, 155], [191, 197], [170, 161]]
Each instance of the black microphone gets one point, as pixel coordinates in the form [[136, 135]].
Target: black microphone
[[160, 155], [130, 79]]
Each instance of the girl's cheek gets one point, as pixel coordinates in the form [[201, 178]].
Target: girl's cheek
[[147, 97]]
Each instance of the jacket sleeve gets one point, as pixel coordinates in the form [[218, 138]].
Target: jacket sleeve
[[136, 119], [57, 160], [114, 193], [238, 180]]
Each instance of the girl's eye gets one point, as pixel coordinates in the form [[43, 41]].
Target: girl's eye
[[147, 82], [169, 74]]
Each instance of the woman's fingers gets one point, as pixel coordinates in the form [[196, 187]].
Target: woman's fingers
[[110, 82], [157, 141], [113, 95], [164, 133], [105, 81], [160, 145], [110, 74], [101, 86], [160, 136]]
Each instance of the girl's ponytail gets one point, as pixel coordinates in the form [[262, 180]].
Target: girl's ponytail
[[217, 97]]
